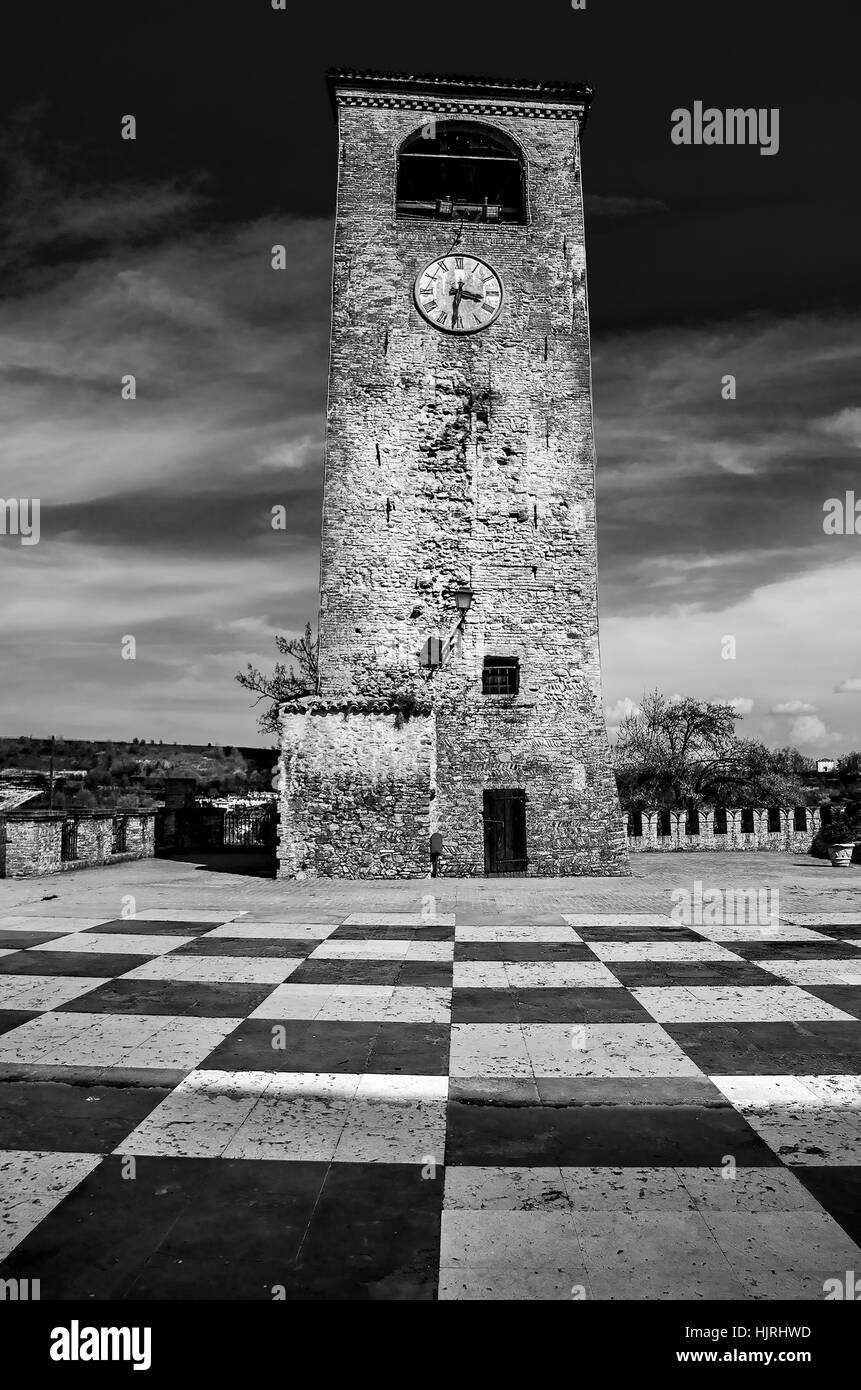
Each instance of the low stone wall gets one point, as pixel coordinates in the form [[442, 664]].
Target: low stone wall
[[357, 789], [787, 838], [35, 842]]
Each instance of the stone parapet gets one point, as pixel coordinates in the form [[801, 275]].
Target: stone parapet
[[657, 831], [47, 842]]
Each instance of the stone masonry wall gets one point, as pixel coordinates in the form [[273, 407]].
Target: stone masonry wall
[[735, 839], [31, 844], [470, 460], [357, 790]]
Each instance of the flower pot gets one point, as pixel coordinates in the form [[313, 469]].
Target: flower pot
[[841, 855]]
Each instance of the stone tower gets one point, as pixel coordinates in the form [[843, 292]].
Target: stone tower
[[459, 710]]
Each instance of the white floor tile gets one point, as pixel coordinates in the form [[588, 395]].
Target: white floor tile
[[664, 1255], [119, 944], [559, 974], [388, 949], [488, 1049], [781, 932], [748, 1004], [783, 1255], [32, 1183], [34, 992], [114, 1040], [605, 1049], [661, 951], [249, 970], [815, 972], [200, 1117], [512, 931]]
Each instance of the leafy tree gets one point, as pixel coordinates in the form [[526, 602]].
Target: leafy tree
[[681, 753], [298, 675], [672, 752]]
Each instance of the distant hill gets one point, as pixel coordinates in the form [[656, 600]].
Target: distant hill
[[90, 773]]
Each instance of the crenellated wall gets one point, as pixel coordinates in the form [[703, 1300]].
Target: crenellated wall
[[787, 838]]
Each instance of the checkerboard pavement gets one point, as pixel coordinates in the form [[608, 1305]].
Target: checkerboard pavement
[[468, 1105]]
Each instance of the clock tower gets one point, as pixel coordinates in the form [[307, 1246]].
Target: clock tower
[[458, 727]]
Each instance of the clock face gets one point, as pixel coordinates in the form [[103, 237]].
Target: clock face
[[459, 294]]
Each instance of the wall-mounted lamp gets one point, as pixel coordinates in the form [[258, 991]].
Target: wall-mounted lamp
[[463, 598]]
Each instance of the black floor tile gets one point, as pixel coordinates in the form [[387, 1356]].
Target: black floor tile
[[671, 932], [374, 1234], [194, 999], [308, 1046], [67, 1118], [347, 972], [795, 950], [483, 1006], [838, 1190], [478, 950], [20, 940], [232, 1223], [410, 1049], [425, 972], [838, 933], [428, 933], [770, 1049], [614, 1135], [845, 997], [662, 974], [522, 950], [582, 1004], [13, 1018], [71, 963], [280, 947], [130, 926]]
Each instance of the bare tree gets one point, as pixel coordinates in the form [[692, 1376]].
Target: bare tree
[[298, 675]]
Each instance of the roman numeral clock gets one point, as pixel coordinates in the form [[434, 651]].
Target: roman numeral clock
[[459, 294], [458, 728]]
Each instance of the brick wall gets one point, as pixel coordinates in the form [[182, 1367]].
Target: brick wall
[[357, 790], [32, 843], [470, 460], [761, 838]]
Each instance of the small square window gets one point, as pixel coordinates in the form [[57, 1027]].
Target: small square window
[[431, 653], [500, 675]]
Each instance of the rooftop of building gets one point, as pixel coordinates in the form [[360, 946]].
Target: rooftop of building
[[529, 91]]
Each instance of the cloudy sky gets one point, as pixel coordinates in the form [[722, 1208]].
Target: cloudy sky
[[151, 257]]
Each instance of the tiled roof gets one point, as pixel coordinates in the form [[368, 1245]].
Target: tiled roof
[[350, 704]]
